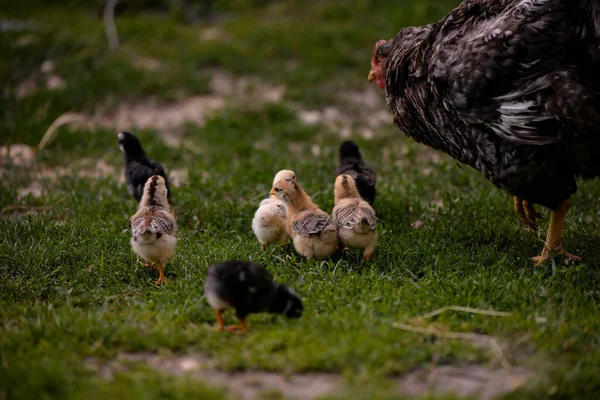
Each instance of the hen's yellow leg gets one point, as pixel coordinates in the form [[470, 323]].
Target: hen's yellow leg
[[526, 212], [161, 277], [553, 239]]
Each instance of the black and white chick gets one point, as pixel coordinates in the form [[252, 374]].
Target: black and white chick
[[352, 163], [247, 288], [270, 220], [138, 167], [153, 227]]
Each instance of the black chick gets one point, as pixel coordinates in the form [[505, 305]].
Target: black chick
[[138, 167], [352, 163], [248, 288]]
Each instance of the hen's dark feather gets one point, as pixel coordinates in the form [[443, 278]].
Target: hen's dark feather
[[352, 163], [508, 87]]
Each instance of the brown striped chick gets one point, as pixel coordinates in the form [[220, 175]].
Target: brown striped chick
[[354, 218], [153, 227], [270, 220], [312, 230]]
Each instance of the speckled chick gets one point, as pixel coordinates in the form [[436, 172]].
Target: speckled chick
[[270, 220], [353, 217], [153, 227], [312, 230]]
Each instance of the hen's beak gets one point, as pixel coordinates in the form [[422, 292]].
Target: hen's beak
[[272, 192], [372, 76]]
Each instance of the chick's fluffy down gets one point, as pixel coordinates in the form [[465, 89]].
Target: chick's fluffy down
[[269, 222]]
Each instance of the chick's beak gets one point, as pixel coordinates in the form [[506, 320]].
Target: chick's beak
[[272, 192], [372, 76]]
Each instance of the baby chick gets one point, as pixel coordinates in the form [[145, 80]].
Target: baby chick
[[138, 167], [352, 163], [312, 230], [270, 220], [353, 217], [153, 227], [247, 288]]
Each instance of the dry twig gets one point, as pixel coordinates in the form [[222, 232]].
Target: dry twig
[[63, 119], [28, 207], [109, 24], [468, 310]]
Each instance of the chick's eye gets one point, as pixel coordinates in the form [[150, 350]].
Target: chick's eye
[[278, 189]]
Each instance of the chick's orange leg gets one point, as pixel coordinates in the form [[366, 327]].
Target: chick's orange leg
[[263, 247], [553, 239], [220, 320], [161, 277], [241, 328]]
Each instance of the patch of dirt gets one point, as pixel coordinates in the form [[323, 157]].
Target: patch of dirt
[[34, 189], [47, 78], [154, 114], [364, 110], [170, 118], [475, 380], [17, 155], [178, 176], [213, 34], [147, 63], [245, 89], [246, 384], [86, 168]]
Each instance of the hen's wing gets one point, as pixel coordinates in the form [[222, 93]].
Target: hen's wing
[[156, 222], [352, 215], [514, 72], [312, 224]]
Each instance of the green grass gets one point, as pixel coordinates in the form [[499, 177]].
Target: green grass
[[70, 288]]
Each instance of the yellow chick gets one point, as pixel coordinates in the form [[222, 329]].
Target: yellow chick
[[270, 220], [312, 230], [353, 217], [153, 226]]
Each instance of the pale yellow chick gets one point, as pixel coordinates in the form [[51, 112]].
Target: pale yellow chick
[[312, 230], [153, 226], [354, 218], [270, 220]]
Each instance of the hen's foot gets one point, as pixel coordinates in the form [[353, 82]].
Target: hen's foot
[[568, 257], [553, 238], [527, 212]]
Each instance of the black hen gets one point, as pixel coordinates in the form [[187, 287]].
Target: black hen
[[138, 167], [509, 87], [247, 288], [352, 163]]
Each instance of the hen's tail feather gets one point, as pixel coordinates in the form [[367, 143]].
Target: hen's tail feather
[[592, 8]]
